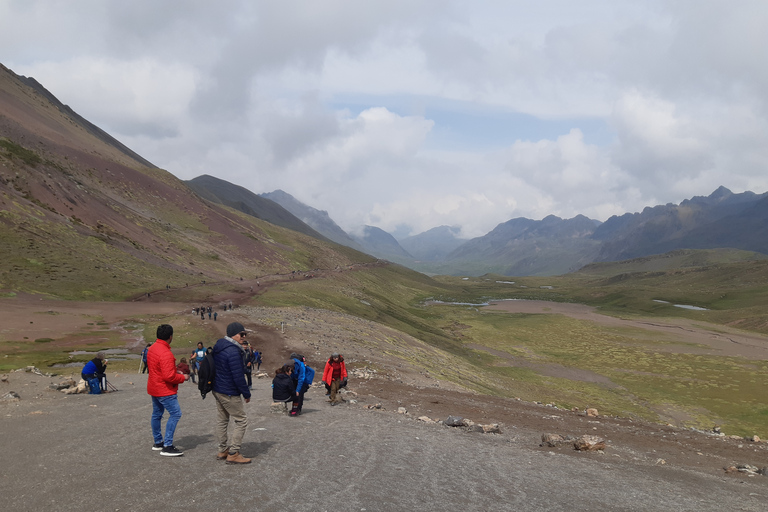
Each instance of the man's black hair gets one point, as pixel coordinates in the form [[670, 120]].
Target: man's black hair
[[164, 332]]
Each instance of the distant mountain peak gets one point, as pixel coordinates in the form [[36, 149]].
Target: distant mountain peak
[[720, 193]]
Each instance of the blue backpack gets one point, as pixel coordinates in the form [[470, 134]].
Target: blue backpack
[[94, 385]]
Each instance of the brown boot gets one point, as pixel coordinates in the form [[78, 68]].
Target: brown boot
[[236, 458], [222, 455]]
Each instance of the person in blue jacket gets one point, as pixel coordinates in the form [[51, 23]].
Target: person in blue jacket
[[231, 393], [94, 373], [302, 377]]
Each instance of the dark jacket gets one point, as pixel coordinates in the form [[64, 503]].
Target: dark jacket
[[282, 388], [230, 370]]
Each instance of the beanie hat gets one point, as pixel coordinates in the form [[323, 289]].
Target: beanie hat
[[234, 328]]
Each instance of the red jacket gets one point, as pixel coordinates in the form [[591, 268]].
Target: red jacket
[[163, 379], [328, 372]]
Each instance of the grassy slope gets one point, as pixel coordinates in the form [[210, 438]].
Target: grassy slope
[[649, 382]]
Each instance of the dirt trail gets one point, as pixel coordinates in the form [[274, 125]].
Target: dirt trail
[[93, 452]]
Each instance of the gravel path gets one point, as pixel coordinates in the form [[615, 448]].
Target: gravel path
[[84, 452]]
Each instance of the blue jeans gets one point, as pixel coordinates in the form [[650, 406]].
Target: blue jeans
[[159, 405]]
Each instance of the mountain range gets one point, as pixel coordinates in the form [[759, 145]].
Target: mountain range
[[553, 246], [68, 185]]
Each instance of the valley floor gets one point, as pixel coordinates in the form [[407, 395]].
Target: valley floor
[[62, 452]]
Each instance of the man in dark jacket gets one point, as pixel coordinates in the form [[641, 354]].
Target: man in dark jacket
[[231, 393]]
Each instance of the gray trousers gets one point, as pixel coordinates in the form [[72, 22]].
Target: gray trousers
[[230, 407]]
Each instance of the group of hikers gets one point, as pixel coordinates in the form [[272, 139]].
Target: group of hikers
[[252, 359], [233, 360]]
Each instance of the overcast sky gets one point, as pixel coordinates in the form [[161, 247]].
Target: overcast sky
[[411, 114]]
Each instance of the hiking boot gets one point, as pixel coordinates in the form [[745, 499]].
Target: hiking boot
[[236, 458], [157, 446], [222, 455], [171, 451]]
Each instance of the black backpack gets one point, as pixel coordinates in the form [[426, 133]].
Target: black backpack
[[206, 375]]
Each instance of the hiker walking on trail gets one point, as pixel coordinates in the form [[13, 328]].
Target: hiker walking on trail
[[195, 359], [335, 376], [231, 393], [302, 377], [144, 358], [249, 359], [163, 386]]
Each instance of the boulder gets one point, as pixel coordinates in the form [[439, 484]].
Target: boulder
[[82, 386], [64, 385], [552, 440], [454, 421], [589, 443], [402, 410], [10, 396]]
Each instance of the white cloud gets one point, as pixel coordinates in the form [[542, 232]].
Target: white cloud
[[127, 96], [249, 92]]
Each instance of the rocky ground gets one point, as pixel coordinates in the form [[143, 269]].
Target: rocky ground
[[385, 449], [69, 452]]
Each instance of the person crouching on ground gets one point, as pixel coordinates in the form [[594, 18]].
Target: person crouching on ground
[[231, 393], [183, 368], [283, 388], [163, 386], [334, 374], [94, 373]]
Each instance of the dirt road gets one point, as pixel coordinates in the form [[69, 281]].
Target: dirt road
[[85, 452]]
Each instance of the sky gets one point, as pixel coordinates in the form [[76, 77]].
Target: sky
[[412, 114]]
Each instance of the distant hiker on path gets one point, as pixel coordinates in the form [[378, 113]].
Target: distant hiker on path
[[162, 386], [144, 358], [196, 358], [335, 376], [249, 360], [231, 393]]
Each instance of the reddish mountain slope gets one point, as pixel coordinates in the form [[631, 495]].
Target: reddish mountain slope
[[83, 216]]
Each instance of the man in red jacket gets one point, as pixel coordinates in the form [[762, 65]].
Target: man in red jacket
[[163, 385]]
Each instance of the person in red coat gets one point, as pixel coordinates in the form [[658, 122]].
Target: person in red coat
[[162, 386], [334, 374]]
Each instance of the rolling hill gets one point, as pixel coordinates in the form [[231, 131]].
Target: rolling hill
[[82, 216]]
